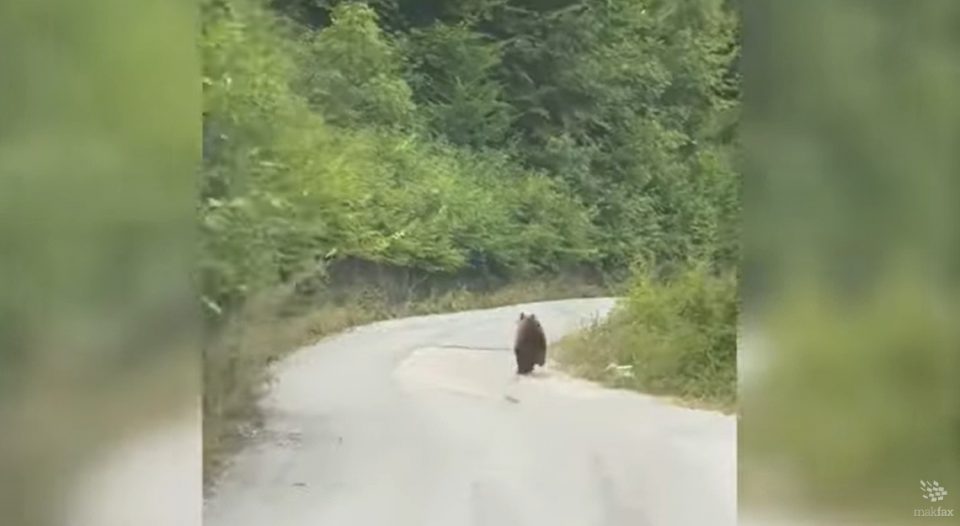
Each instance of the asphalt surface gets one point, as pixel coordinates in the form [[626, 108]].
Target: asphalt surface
[[422, 422]]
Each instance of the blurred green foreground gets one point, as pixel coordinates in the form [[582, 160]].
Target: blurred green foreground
[[849, 383], [99, 136]]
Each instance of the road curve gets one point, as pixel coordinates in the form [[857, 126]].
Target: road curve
[[421, 422]]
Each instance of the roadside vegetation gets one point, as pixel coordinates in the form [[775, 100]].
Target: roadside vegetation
[[675, 336], [369, 160]]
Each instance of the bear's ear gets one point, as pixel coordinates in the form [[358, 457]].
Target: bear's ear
[[521, 315]]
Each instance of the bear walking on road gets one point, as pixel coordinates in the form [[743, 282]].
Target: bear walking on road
[[530, 346]]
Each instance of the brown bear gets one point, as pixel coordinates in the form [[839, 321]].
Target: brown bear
[[530, 346]]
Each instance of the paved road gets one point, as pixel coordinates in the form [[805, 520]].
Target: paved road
[[421, 422]]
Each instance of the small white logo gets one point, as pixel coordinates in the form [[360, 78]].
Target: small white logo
[[933, 491]]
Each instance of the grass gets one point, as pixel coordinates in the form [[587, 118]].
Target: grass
[[674, 337], [236, 372]]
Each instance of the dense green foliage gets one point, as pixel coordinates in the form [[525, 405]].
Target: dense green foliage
[[495, 137]]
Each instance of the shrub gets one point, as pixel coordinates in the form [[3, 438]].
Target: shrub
[[671, 336]]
